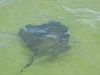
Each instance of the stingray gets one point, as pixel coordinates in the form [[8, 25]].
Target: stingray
[[51, 37]]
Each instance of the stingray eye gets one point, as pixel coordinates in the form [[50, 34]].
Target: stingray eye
[[28, 26]]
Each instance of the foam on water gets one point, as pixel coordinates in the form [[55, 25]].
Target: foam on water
[[88, 17], [78, 10], [6, 2]]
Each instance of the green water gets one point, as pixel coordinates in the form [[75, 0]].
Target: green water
[[83, 18]]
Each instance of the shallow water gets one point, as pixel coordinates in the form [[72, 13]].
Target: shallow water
[[83, 18]]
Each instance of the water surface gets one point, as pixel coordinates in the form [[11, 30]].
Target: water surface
[[83, 18]]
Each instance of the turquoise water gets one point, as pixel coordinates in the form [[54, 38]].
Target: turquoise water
[[83, 18]]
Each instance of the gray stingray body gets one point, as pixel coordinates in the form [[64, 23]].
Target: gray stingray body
[[46, 38]]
